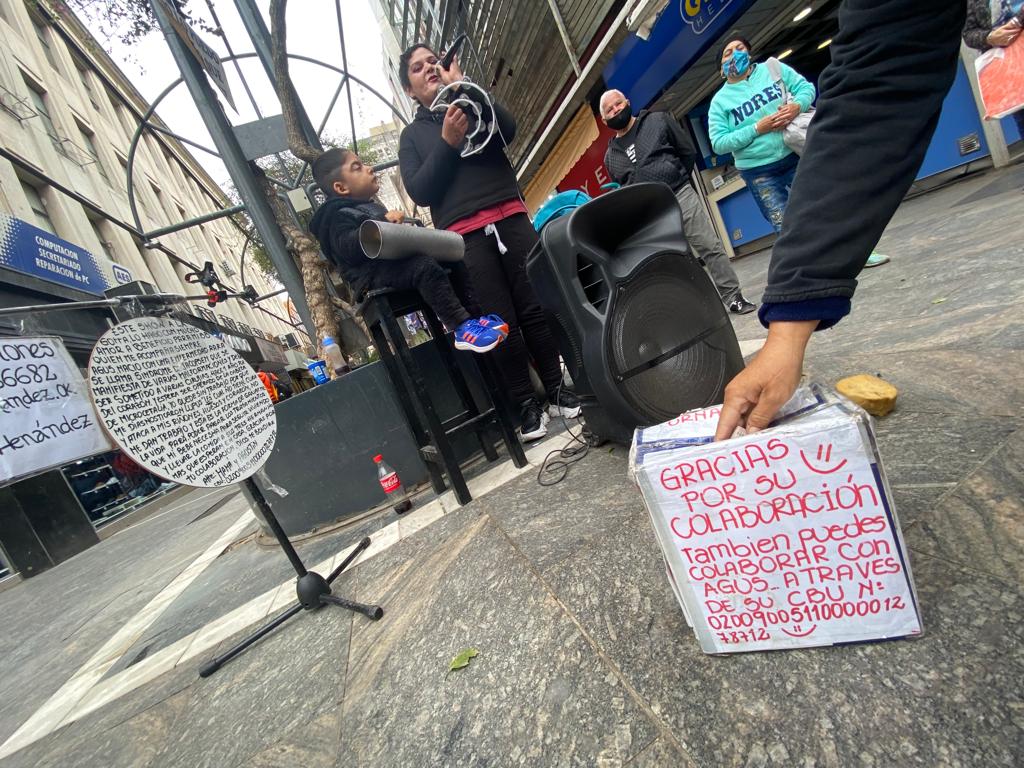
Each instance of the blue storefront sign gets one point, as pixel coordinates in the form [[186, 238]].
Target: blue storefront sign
[[642, 69], [34, 251]]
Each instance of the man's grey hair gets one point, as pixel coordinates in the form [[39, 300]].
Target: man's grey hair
[[606, 95]]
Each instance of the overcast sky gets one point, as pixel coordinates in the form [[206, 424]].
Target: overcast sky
[[312, 31]]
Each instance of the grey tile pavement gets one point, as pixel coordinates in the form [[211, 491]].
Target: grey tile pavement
[[585, 658]]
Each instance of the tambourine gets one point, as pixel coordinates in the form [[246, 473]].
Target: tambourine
[[481, 129]]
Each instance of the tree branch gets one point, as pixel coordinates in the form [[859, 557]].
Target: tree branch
[[290, 107]]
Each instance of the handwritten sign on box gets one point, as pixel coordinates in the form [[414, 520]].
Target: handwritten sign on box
[[181, 403], [46, 418], [783, 539]]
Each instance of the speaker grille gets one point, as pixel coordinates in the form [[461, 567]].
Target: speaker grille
[[663, 308], [593, 284]]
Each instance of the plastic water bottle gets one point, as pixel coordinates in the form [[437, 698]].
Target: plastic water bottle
[[335, 359], [392, 486]]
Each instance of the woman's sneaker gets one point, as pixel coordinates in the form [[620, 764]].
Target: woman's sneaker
[[495, 322], [534, 422], [564, 403], [474, 337]]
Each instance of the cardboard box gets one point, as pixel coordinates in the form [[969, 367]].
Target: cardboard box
[[782, 539]]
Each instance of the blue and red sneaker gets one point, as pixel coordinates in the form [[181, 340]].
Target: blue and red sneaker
[[473, 336], [495, 322]]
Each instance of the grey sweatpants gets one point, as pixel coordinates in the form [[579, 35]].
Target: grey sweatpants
[[704, 242]]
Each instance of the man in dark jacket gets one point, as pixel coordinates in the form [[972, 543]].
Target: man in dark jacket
[[880, 100], [653, 147], [478, 196]]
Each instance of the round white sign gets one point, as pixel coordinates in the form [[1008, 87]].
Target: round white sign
[[181, 403]]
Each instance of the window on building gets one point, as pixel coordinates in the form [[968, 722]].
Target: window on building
[[40, 102], [38, 206], [123, 162], [159, 194], [43, 35], [89, 142], [86, 78], [103, 235]]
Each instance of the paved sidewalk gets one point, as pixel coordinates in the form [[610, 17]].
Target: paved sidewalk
[[584, 656]]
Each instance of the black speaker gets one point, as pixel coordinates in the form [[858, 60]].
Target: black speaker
[[640, 324]]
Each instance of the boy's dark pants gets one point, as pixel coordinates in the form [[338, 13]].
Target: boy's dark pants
[[449, 294]]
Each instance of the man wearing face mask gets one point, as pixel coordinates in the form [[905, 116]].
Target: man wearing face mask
[[653, 147]]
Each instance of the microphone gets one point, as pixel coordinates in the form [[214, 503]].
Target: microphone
[[446, 60]]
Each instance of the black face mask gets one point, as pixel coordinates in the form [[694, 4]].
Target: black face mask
[[621, 120]]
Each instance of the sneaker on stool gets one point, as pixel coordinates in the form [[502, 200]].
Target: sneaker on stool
[[534, 422], [740, 306], [495, 322], [472, 336], [565, 403]]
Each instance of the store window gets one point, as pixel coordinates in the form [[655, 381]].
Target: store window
[[111, 485], [38, 206]]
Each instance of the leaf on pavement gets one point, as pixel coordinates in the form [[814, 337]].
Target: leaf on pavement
[[462, 660]]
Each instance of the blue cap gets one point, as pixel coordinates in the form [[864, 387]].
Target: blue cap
[[328, 340]]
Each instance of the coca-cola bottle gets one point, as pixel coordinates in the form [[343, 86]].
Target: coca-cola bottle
[[392, 486]]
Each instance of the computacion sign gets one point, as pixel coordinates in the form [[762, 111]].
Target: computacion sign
[[34, 251]]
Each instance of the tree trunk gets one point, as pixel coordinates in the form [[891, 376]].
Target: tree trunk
[[306, 254], [298, 142]]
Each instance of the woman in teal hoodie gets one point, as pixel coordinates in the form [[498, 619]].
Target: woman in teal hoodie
[[746, 118]]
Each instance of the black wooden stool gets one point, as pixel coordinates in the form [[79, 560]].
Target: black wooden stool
[[380, 310]]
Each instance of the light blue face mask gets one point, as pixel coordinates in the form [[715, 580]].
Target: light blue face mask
[[737, 64]]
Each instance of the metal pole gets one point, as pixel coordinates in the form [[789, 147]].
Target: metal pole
[[566, 40], [992, 129], [260, 35], [348, 82], [194, 221], [234, 159]]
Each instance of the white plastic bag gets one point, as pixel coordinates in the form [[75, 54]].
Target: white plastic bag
[[794, 135]]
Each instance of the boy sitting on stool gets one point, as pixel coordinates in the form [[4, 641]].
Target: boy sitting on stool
[[350, 186]]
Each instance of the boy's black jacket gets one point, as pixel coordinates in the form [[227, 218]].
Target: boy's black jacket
[[336, 226]]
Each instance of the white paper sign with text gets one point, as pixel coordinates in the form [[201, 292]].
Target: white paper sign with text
[[783, 539], [181, 403], [46, 417]]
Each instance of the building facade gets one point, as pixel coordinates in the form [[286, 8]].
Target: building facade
[[382, 142], [67, 231], [67, 118]]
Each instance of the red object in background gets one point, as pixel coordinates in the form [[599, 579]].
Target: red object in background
[[392, 485], [1001, 79], [589, 172]]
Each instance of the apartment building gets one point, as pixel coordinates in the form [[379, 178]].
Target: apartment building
[[67, 118]]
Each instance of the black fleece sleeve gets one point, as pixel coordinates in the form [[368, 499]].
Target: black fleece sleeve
[[506, 123], [681, 141], [345, 239], [892, 64], [427, 178]]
